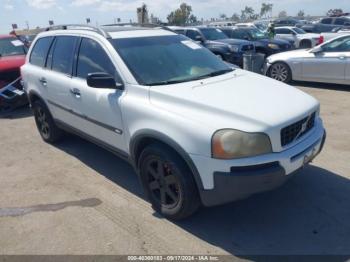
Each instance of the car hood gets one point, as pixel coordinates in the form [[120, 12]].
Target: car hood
[[8, 63], [239, 100], [287, 55], [230, 41]]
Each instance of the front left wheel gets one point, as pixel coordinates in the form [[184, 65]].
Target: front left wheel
[[168, 182], [281, 72]]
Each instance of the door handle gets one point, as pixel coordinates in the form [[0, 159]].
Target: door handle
[[43, 81], [76, 92]]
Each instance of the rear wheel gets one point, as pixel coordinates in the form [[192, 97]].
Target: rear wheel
[[281, 72], [168, 182], [46, 126], [305, 44]]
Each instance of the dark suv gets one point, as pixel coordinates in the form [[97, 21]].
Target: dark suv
[[327, 24], [263, 44], [230, 50]]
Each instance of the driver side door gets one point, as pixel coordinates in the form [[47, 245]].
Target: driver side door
[[329, 65], [99, 109]]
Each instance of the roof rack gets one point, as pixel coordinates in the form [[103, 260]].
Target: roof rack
[[79, 27]]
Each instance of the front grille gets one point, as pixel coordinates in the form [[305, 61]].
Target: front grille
[[297, 130], [246, 48]]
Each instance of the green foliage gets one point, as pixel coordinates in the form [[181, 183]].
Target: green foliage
[[182, 16]]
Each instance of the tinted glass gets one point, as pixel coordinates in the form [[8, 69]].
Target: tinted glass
[[283, 31], [39, 52], [339, 21], [11, 46], [63, 54], [227, 32], [93, 59], [338, 45], [256, 34], [326, 21], [213, 33], [162, 60], [239, 34], [192, 34], [299, 30]]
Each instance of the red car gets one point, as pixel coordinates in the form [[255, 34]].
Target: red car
[[12, 57]]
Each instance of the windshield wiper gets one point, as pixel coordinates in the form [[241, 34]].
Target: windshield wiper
[[169, 82]]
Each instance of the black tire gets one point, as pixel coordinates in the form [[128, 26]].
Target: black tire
[[47, 128], [281, 72], [171, 189], [305, 44]]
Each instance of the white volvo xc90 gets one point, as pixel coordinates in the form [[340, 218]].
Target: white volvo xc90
[[196, 130]]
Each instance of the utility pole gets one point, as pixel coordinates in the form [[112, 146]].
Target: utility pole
[[27, 25]]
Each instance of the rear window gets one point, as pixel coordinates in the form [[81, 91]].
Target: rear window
[[39, 52], [63, 55]]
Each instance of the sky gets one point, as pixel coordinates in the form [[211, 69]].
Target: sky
[[39, 12]]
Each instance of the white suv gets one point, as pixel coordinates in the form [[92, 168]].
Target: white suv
[[196, 130]]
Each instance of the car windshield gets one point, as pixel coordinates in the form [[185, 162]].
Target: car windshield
[[299, 30], [213, 34], [170, 59], [11, 46], [256, 34]]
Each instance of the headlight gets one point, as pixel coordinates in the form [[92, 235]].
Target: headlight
[[233, 48], [273, 46], [230, 143]]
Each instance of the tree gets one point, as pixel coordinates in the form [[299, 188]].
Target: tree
[[301, 14], [182, 15], [266, 9], [282, 14], [223, 16], [334, 12], [235, 17], [248, 14]]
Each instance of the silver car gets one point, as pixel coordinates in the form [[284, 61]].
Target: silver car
[[327, 63]]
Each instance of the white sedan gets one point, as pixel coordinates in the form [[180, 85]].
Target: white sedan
[[327, 63], [299, 36]]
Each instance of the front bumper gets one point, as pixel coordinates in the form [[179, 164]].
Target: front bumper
[[249, 176]]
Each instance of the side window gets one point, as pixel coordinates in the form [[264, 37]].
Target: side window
[[326, 21], [63, 54], [338, 45], [39, 52], [93, 59], [339, 21], [283, 31], [192, 34], [227, 32], [237, 34]]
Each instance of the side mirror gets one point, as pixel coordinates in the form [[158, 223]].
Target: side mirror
[[347, 23], [103, 80], [317, 49]]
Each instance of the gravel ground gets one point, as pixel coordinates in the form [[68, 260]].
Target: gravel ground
[[76, 198]]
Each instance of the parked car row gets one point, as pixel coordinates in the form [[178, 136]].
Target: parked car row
[[230, 43]]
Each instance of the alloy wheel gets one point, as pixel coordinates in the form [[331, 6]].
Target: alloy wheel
[[43, 125], [279, 72], [163, 184]]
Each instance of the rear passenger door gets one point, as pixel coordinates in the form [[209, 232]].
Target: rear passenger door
[[58, 78], [99, 108]]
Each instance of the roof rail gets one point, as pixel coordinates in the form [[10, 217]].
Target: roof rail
[[79, 27], [135, 24]]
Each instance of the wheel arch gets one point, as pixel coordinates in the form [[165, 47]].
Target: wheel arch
[[143, 138]]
